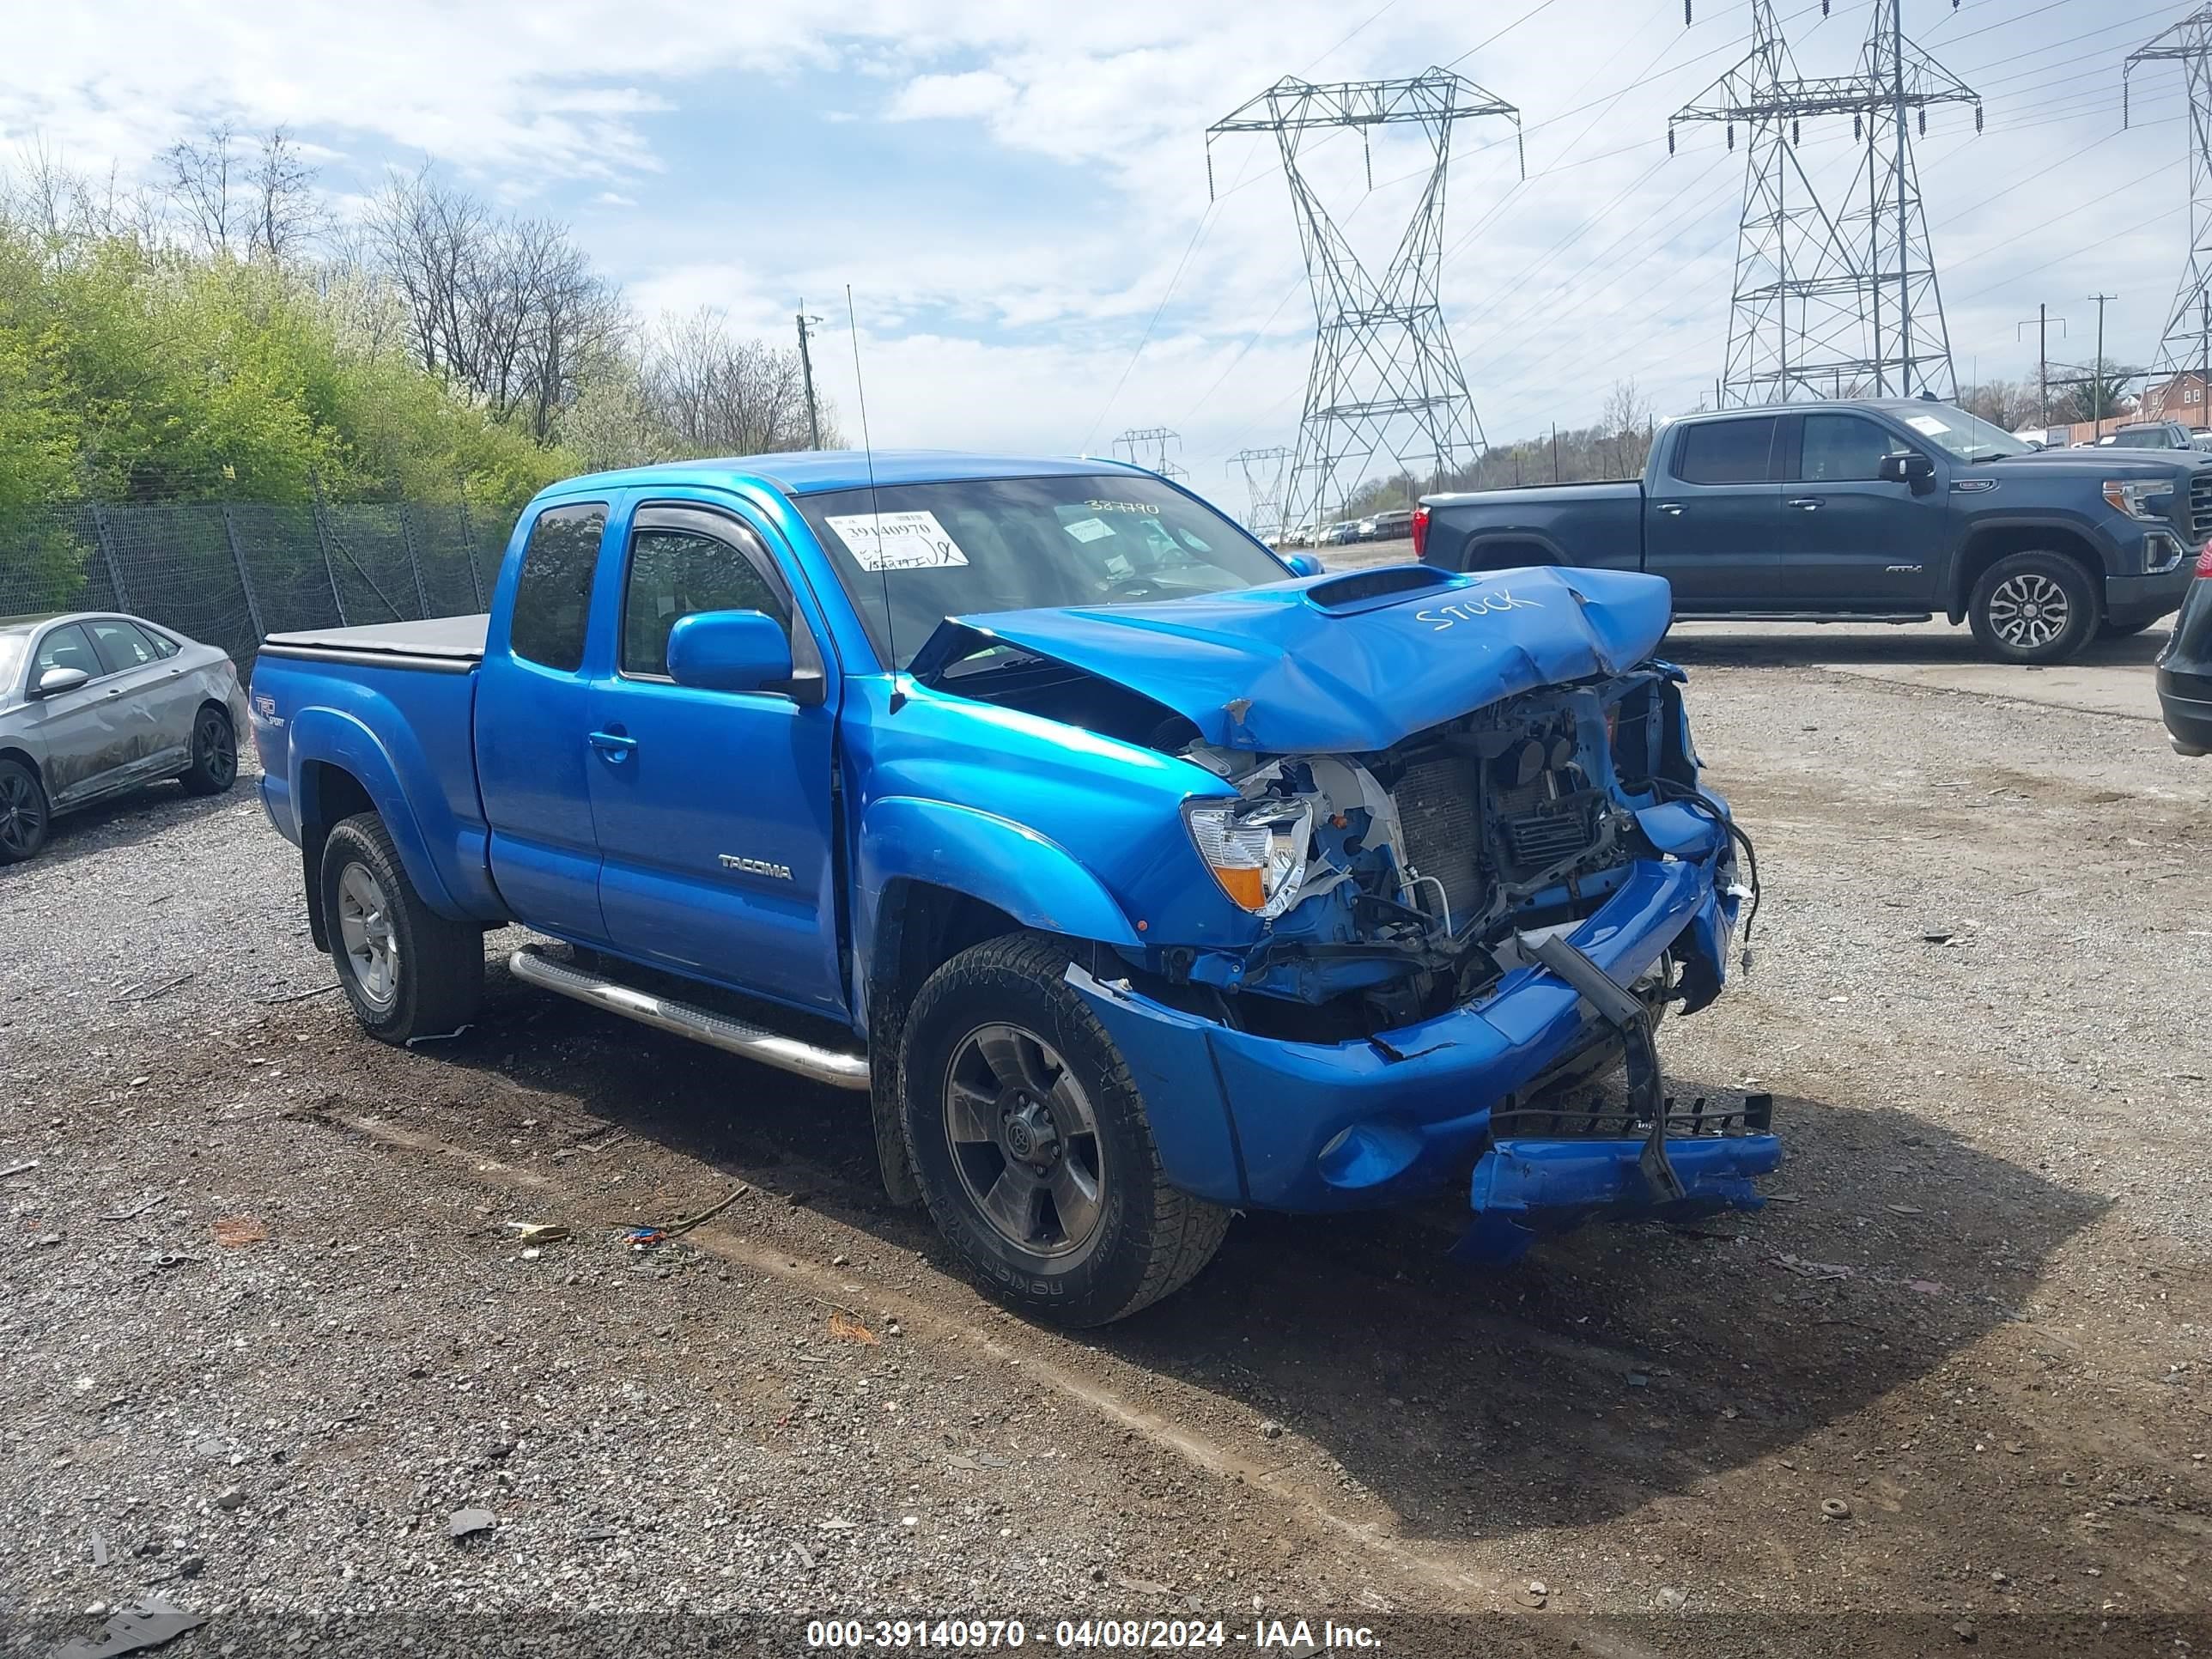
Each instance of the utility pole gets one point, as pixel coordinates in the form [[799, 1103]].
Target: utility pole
[[2097, 368], [806, 367], [2043, 322]]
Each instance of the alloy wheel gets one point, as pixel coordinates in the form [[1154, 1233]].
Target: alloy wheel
[[1024, 1140], [365, 931], [218, 750], [23, 819], [2029, 610]]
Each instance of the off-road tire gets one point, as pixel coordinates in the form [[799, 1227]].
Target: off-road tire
[[214, 755], [1151, 1239], [2041, 571], [31, 814], [441, 963]]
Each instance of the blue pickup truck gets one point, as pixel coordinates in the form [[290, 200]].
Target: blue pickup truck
[[1137, 875]]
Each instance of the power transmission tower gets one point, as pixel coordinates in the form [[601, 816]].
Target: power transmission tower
[[1263, 470], [1911, 343], [2187, 340], [1837, 269], [1148, 447], [1383, 379], [1796, 325]]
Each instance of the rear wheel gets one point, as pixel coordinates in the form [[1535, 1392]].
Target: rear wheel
[[1031, 1144], [24, 815], [408, 971], [214, 755], [2033, 608]]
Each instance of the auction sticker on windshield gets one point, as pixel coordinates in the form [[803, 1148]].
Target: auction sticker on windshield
[[898, 541], [1926, 424]]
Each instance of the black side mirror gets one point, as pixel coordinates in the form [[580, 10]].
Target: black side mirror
[[1909, 467]]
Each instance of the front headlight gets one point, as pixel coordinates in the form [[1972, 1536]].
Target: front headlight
[[1255, 848], [2139, 498]]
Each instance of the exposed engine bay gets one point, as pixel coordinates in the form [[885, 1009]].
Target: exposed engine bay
[[1386, 881]]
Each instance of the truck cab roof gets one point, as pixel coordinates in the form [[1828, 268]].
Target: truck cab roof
[[813, 471]]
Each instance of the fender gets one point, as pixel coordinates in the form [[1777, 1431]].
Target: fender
[[1470, 550], [2066, 522], [342, 740], [1035, 881]]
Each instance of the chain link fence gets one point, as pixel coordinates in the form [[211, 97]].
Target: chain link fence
[[232, 573]]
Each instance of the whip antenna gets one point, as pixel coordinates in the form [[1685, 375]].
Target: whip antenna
[[875, 512]]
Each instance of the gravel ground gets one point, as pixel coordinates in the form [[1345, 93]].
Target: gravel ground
[[266, 1327]]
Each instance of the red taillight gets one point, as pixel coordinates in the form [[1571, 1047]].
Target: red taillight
[[2203, 559], [1421, 535]]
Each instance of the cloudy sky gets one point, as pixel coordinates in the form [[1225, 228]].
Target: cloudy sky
[[1018, 192]]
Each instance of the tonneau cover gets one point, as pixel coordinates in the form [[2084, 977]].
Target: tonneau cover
[[457, 640]]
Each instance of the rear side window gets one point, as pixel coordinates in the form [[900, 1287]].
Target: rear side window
[[1727, 451], [121, 645], [553, 595]]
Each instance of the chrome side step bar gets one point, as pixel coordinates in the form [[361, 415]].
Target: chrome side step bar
[[838, 1069]]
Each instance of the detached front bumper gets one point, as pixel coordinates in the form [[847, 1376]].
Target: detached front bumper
[[1253, 1121]]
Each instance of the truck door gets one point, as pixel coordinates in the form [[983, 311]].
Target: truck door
[[533, 708], [714, 807], [1712, 523], [1850, 541]]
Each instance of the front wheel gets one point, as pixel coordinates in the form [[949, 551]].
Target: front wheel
[[24, 814], [1031, 1144], [2033, 608], [408, 971]]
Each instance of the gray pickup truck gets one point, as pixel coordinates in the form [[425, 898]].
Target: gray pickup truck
[[1867, 511]]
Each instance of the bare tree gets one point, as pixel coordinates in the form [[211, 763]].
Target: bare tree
[[509, 310], [717, 394], [283, 212], [1626, 421], [202, 182]]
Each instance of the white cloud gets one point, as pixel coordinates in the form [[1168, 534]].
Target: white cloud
[[933, 97], [1008, 315]]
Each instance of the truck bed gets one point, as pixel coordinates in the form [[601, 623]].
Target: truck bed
[[446, 645]]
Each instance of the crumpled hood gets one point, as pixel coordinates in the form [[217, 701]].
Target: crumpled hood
[[1346, 662]]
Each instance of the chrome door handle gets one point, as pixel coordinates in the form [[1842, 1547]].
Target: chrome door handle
[[614, 748], [1808, 503], [1673, 509]]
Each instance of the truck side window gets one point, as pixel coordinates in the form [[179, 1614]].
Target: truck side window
[[676, 572], [1727, 451], [553, 595], [1840, 448]]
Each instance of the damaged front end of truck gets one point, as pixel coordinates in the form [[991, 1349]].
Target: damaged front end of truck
[[1465, 861]]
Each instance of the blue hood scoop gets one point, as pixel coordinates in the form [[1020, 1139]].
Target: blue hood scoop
[[1346, 663]]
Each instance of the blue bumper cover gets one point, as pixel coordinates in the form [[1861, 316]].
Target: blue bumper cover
[[1254, 1121]]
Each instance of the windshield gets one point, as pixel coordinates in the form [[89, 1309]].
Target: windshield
[[1969, 437], [982, 544]]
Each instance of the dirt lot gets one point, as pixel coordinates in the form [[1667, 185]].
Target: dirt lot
[[1976, 1314]]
